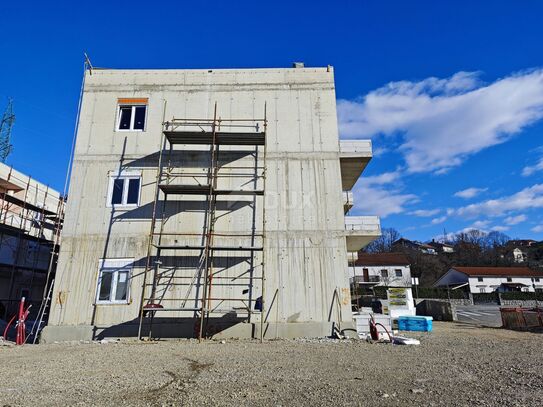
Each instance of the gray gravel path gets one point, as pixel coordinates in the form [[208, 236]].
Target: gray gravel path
[[456, 365]]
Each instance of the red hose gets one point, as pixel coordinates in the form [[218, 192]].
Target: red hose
[[7, 327], [20, 328]]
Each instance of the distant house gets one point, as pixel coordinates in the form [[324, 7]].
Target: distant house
[[413, 245], [491, 279], [519, 256], [386, 269], [441, 247]]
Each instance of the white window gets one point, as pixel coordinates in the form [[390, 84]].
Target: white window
[[124, 190], [384, 273], [114, 281], [398, 273], [480, 279], [131, 117]]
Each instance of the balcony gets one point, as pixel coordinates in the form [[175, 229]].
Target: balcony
[[347, 201], [354, 155], [366, 280], [360, 231]]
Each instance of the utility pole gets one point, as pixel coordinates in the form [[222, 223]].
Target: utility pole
[[5, 131]]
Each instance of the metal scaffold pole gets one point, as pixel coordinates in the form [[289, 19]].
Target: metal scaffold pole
[[170, 285]]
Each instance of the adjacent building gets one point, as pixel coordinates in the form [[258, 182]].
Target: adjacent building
[[381, 269], [492, 279], [402, 244], [209, 203], [30, 223]]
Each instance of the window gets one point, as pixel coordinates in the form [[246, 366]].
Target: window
[[132, 114], [509, 279], [480, 279], [124, 190], [536, 279], [113, 282], [398, 273], [384, 273]]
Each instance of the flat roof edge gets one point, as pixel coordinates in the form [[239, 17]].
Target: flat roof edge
[[209, 70]]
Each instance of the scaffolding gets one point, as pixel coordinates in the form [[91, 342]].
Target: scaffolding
[[29, 236], [193, 286]]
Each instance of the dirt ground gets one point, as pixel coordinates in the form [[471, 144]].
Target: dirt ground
[[456, 365]]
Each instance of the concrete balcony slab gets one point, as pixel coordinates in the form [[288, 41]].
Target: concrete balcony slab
[[360, 231], [354, 156]]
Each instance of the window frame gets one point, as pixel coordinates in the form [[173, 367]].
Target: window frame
[[385, 272], [396, 271], [132, 117], [115, 266], [125, 176]]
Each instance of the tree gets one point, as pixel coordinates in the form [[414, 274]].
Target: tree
[[384, 243], [496, 240]]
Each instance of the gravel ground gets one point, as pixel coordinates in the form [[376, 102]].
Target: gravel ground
[[456, 365]]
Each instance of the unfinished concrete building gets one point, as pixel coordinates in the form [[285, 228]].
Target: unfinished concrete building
[[209, 203], [30, 222]]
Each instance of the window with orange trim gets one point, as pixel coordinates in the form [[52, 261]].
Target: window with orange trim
[[132, 114]]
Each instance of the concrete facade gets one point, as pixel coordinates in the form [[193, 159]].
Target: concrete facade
[[306, 286]]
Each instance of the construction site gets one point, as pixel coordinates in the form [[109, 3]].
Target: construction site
[[209, 204], [31, 218]]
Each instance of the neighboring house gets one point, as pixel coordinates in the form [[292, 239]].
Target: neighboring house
[[247, 217], [30, 223], [519, 256], [385, 269], [491, 279], [403, 243], [441, 247]]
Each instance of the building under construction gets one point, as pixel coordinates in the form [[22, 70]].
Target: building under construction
[[30, 224], [209, 203]]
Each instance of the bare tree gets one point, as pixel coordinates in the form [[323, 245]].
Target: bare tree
[[384, 243]]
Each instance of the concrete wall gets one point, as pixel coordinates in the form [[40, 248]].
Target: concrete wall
[[305, 250], [438, 310]]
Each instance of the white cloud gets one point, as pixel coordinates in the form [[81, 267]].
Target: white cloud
[[514, 220], [439, 220], [480, 224], [530, 169], [537, 229], [500, 228], [469, 192], [528, 198], [443, 121], [381, 202], [423, 213], [382, 179], [373, 195]]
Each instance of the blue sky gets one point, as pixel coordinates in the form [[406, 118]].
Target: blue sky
[[451, 93]]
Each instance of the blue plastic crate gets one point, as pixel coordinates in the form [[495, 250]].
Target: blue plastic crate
[[412, 323]]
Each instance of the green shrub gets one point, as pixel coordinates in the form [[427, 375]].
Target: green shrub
[[523, 296]]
